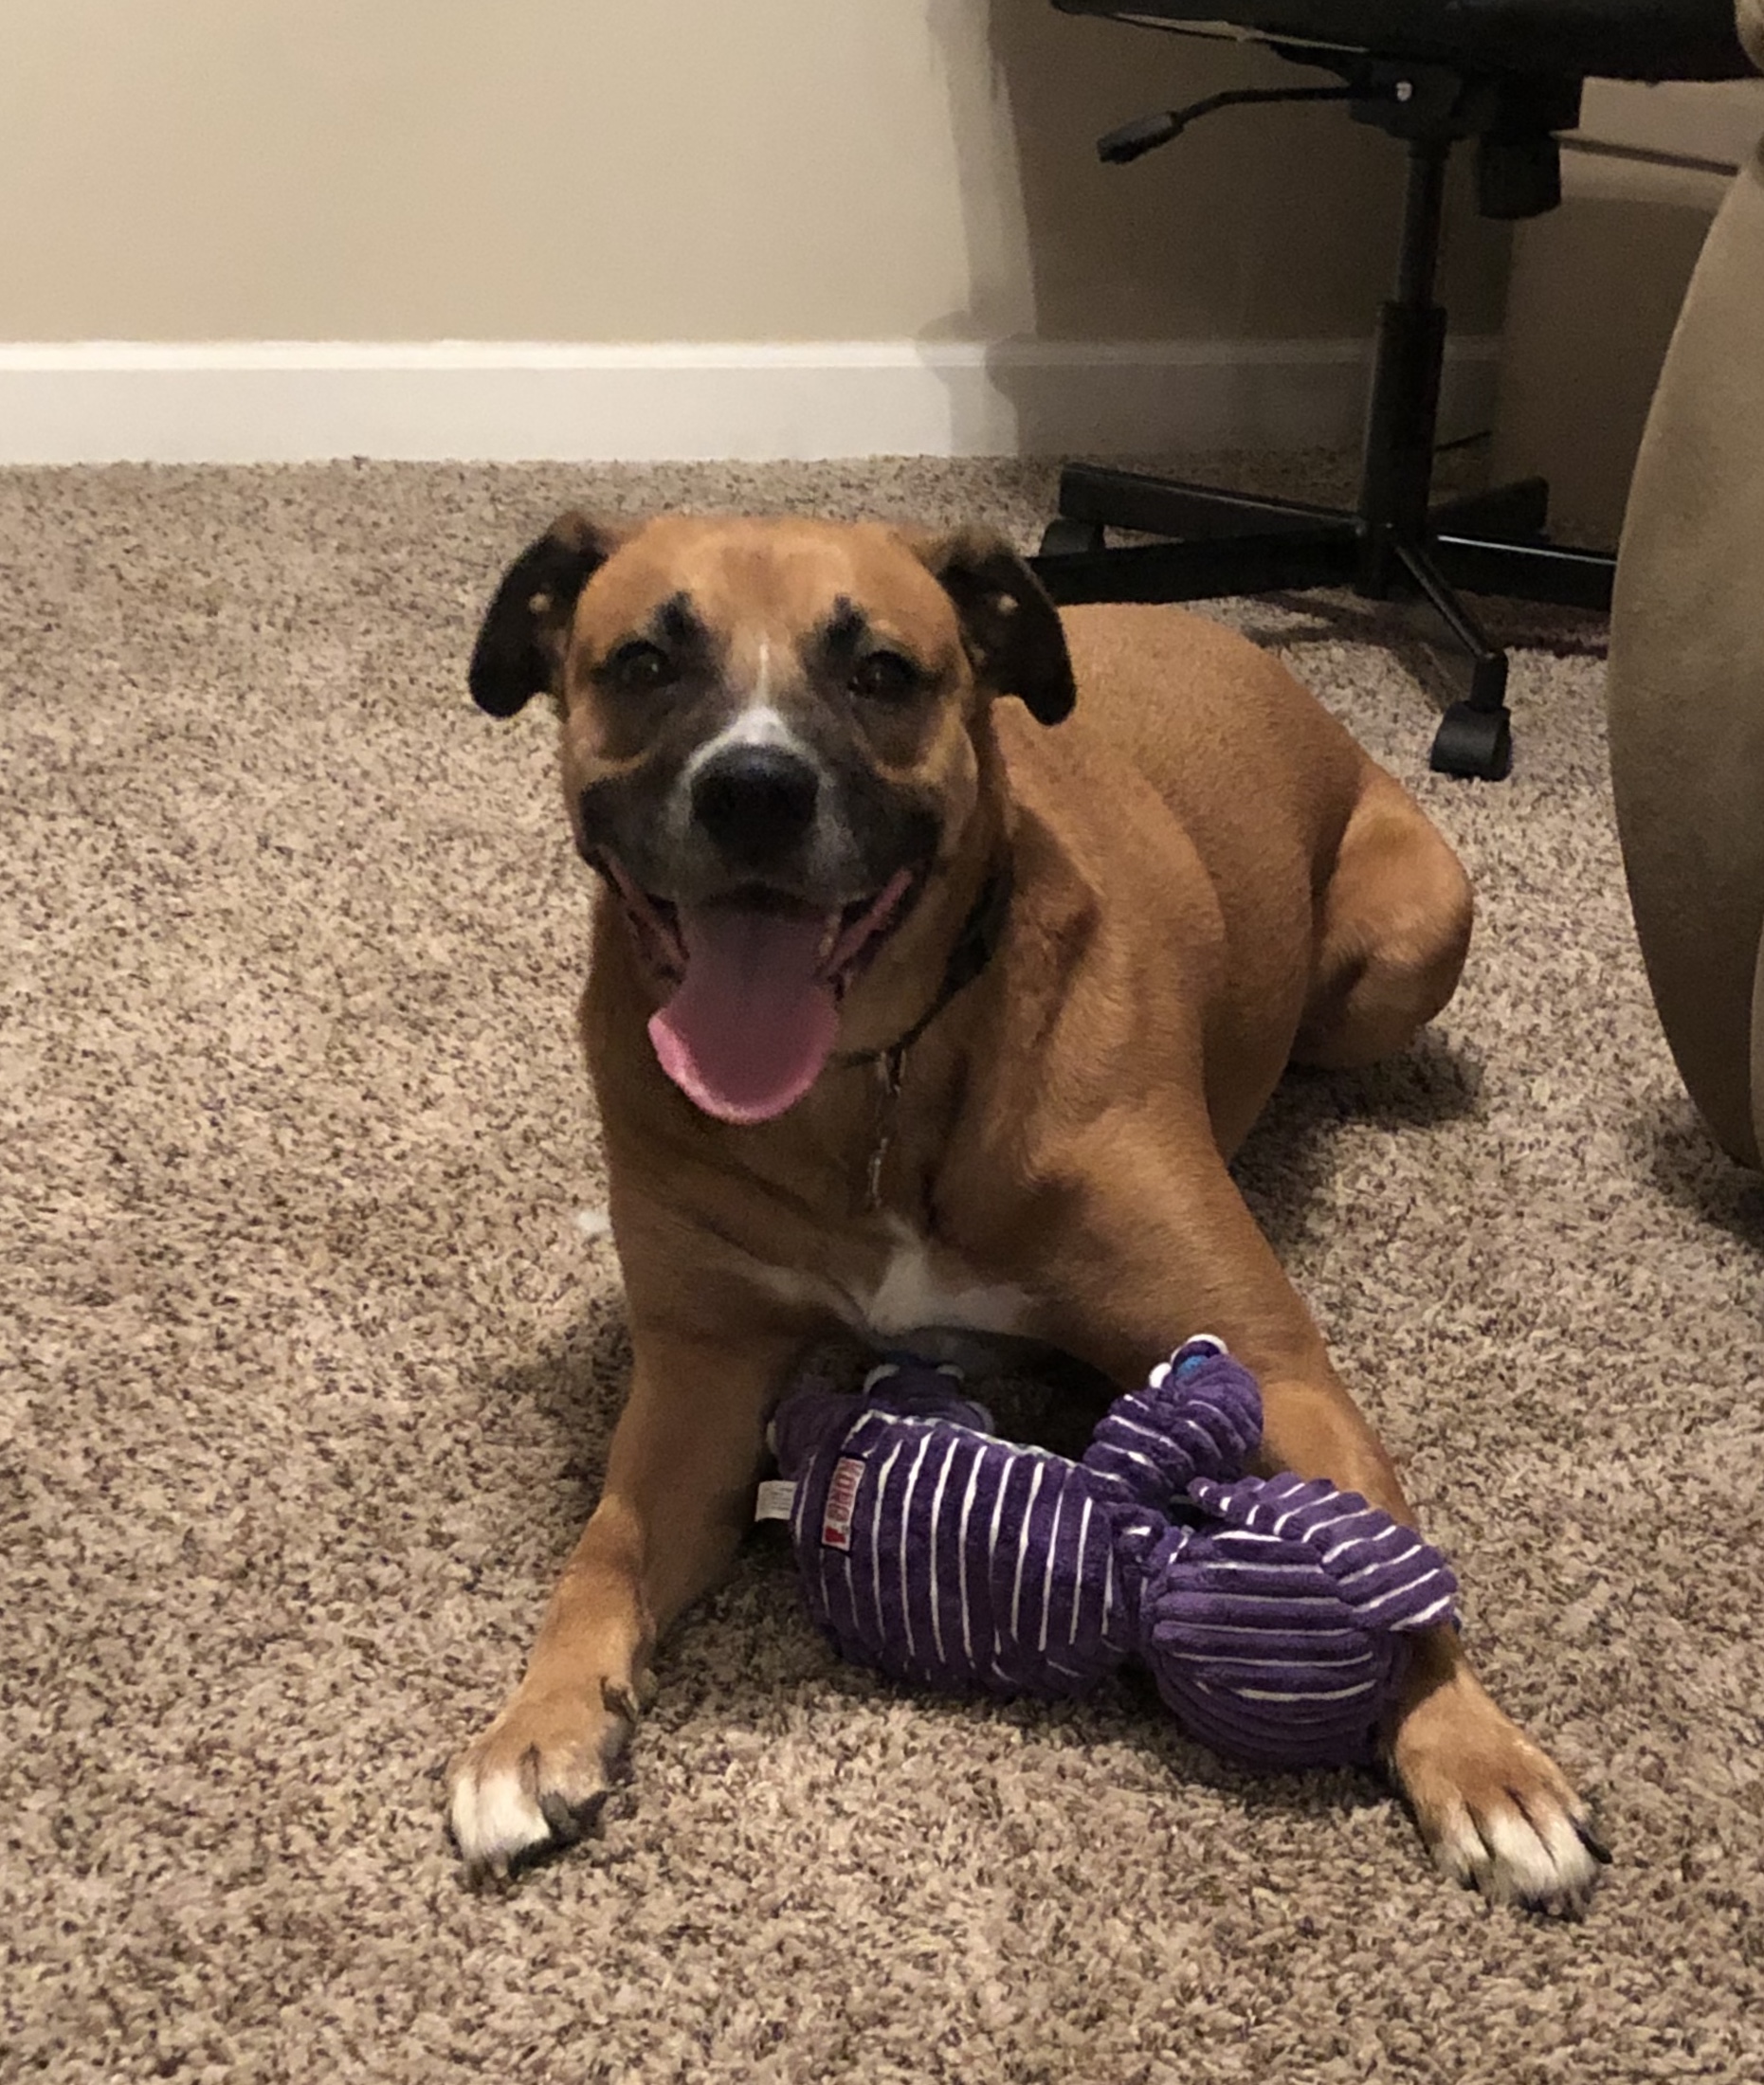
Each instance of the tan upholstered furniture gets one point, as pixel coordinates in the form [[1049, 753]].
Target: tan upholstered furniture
[[1687, 672]]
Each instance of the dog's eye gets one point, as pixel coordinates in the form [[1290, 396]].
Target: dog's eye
[[640, 665], [885, 675]]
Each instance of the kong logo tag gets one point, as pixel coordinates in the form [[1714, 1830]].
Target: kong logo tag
[[842, 1503]]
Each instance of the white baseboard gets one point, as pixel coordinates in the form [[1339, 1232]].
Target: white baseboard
[[297, 401]]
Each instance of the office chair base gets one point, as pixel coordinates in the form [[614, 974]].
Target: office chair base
[[1066, 537], [1217, 543], [1396, 540]]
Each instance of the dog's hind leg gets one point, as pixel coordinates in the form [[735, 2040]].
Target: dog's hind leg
[[1393, 929]]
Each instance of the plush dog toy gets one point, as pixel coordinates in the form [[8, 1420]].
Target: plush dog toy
[[1272, 1612]]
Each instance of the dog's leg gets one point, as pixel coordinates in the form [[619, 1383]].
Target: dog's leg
[[1164, 1247], [679, 1493], [1395, 929], [1494, 1809]]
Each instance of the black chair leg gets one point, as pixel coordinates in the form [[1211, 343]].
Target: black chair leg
[[1519, 510], [1527, 571], [1475, 736], [1203, 569], [1095, 495]]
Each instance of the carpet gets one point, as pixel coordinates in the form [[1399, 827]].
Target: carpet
[[315, 1339]]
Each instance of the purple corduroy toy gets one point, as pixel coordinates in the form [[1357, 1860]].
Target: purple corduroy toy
[[1273, 1612]]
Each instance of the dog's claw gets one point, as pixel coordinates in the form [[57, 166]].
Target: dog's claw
[[1593, 1842], [620, 1699], [571, 1821]]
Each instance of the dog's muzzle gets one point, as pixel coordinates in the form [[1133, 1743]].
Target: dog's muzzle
[[756, 908]]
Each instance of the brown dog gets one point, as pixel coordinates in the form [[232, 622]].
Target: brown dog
[[909, 1007]]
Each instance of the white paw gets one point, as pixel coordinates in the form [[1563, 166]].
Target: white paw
[[1542, 1856], [495, 1820], [537, 1779], [1496, 1812]]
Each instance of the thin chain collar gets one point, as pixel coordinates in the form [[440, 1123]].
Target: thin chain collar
[[974, 948]]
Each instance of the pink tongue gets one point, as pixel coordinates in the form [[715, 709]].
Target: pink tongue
[[746, 1035]]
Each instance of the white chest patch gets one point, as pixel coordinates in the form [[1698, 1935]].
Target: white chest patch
[[919, 1288]]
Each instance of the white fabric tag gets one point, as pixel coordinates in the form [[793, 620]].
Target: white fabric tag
[[774, 1500]]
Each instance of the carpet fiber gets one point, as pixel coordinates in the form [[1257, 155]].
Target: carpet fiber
[[314, 1347]]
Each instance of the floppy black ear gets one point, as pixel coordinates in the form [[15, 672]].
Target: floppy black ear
[[1011, 628], [521, 643]]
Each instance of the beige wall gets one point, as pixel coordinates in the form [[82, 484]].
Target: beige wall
[[667, 169], [1575, 385]]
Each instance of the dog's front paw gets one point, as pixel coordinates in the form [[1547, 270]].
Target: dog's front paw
[[1496, 1812], [535, 1780]]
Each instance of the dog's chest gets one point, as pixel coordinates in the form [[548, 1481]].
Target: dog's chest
[[919, 1283], [925, 1285]]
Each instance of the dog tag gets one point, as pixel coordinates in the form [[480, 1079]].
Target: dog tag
[[878, 1159], [891, 1069]]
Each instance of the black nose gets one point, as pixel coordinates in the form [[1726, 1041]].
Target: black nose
[[756, 803]]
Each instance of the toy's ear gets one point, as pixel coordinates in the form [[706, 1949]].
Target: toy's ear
[[521, 641], [807, 1421], [1010, 627]]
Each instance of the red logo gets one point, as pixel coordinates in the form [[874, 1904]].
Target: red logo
[[842, 1502]]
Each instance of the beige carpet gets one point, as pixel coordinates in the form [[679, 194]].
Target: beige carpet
[[311, 1361]]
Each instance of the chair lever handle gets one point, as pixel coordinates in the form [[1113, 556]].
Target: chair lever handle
[[1147, 132]]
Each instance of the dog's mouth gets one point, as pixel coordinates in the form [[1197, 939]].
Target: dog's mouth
[[755, 981]]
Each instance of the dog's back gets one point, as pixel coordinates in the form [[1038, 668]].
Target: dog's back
[[1196, 771]]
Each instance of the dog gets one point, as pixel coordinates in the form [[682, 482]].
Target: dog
[[949, 946]]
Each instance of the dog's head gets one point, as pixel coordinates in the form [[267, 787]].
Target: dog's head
[[770, 744]]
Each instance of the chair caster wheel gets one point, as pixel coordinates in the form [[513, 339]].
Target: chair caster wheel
[[1067, 539], [1475, 743]]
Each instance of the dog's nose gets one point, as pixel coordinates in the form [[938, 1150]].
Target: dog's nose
[[756, 802]]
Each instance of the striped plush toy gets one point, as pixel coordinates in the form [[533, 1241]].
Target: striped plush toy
[[1272, 1612]]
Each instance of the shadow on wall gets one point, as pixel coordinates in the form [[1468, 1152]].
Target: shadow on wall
[[1262, 239], [1575, 388]]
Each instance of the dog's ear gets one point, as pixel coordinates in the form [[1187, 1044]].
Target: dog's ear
[[521, 643], [1009, 624]]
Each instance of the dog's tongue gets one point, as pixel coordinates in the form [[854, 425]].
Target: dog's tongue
[[747, 1033]]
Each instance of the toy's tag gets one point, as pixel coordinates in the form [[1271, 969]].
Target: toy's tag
[[774, 1501], [842, 1502]]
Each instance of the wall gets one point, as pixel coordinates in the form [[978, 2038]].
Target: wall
[[678, 172], [1597, 284]]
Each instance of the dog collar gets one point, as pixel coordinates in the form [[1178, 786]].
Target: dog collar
[[974, 948]]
